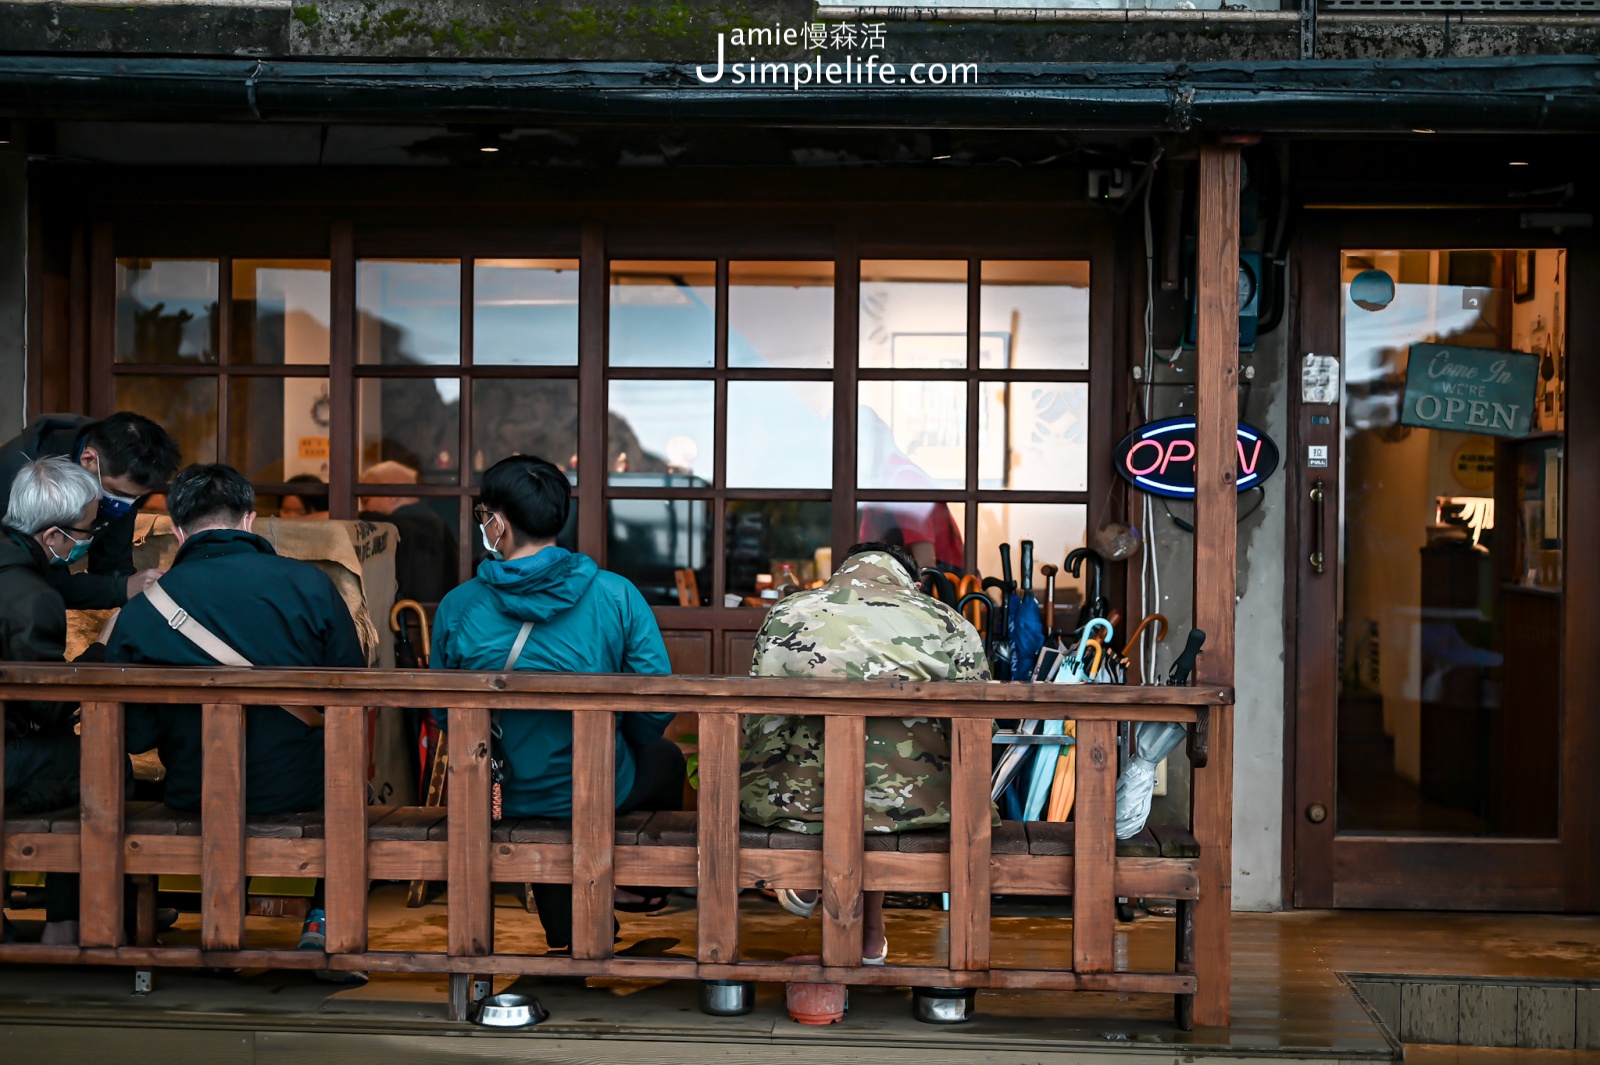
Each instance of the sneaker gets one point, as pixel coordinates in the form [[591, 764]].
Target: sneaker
[[1135, 788], [313, 936]]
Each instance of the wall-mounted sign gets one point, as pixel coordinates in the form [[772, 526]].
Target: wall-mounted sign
[[1470, 390], [1159, 457]]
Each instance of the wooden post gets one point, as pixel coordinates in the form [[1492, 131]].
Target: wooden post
[[1215, 563], [345, 812], [844, 775], [471, 909], [222, 884], [970, 829], [1094, 893], [100, 825], [717, 902], [594, 818]]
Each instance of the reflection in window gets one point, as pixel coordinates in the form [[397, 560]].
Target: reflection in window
[[1054, 528], [763, 537], [525, 312], [780, 314], [426, 559], [780, 434], [167, 310], [524, 417], [414, 421], [1033, 435], [278, 427], [408, 312], [185, 406], [662, 427], [1034, 316], [663, 313], [914, 314], [649, 540], [930, 530], [912, 434], [280, 312]]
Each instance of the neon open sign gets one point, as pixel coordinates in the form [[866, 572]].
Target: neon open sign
[[1159, 457]]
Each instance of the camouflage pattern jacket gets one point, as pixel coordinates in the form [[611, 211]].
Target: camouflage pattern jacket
[[866, 623]]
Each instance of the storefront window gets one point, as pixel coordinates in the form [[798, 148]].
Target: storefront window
[[662, 427], [185, 406], [933, 530], [649, 540], [278, 427], [280, 312], [780, 315], [408, 312], [167, 310], [765, 537], [413, 422], [1033, 435], [1055, 529], [913, 314], [780, 434], [525, 312], [1034, 316], [912, 435], [663, 313], [524, 417]]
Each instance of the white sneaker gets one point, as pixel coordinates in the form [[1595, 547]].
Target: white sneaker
[[1135, 787]]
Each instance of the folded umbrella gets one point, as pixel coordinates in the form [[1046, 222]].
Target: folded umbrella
[[1027, 625]]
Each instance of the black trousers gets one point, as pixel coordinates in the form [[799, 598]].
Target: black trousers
[[657, 785]]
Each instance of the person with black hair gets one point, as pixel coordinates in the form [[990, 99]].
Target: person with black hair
[[230, 599], [131, 457], [536, 606], [309, 502]]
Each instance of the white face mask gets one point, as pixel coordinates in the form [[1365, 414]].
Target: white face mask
[[494, 552]]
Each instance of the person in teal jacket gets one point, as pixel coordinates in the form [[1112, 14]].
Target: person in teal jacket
[[578, 618]]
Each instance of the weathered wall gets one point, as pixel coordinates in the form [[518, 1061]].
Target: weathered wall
[[13, 291], [686, 31]]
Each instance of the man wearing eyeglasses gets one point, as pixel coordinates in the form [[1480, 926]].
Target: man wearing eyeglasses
[[128, 456], [47, 526]]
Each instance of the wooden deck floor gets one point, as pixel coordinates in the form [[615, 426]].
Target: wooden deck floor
[[1290, 1002]]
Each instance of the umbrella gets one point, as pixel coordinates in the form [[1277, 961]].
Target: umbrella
[[968, 605], [1001, 657], [1027, 628], [432, 756], [1154, 740], [1095, 604]]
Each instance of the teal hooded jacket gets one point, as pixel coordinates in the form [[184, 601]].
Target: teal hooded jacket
[[585, 620]]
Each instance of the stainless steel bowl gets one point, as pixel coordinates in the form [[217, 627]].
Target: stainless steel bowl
[[943, 1005], [510, 1011], [727, 998]]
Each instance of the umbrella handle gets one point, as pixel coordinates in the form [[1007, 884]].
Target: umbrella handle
[[1161, 629], [1096, 624], [422, 624], [1099, 656]]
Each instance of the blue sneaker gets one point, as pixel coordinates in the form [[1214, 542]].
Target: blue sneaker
[[313, 936]]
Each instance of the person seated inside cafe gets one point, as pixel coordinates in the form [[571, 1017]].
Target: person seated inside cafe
[[230, 599], [538, 607], [309, 500], [48, 524], [425, 564], [869, 621]]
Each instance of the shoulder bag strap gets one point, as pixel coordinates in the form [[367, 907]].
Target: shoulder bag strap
[[516, 648], [185, 625]]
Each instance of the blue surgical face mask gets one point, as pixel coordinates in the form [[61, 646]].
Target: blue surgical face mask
[[494, 552], [79, 548], [114, 506]]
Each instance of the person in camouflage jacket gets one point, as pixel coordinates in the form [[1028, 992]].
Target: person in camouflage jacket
[[868, 622]]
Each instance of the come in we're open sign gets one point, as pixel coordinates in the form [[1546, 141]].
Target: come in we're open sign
[[1470, 390]]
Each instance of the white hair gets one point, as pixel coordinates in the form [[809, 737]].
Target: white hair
[[49, 492]]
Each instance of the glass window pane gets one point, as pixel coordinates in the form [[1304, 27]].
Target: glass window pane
[[1033, 435], [663, 313], [1054, 528], [1034, 316], [914, 314], [934, 532], [167, 310], [186, 407], [912, 434], [278, 427], [414, 423], [780, 434], [408, 312], [427, 559], [280, 312], [648, 540], [525, 312], [764, 536], [526, 417], [780, 314], [662, 427]]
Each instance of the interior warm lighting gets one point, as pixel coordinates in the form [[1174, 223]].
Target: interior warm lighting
[[1518, 163], [1422, 131]]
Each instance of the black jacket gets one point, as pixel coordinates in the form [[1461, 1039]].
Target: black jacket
[[274, 611], [33, 628], [111, 555]]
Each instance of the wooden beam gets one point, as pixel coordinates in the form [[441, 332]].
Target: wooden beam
[[471, 911], [345, 817], [717, 900], [1215, 562], [100, 788], [1094, 893], [222, 761], [594, 814], [844, 752], [969, 843]]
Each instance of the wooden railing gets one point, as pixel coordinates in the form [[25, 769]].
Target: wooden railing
[[470, 860]]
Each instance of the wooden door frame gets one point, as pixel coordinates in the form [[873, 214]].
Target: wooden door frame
[[1492, 874]]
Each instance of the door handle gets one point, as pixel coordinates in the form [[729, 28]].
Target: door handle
[[1319, 496]]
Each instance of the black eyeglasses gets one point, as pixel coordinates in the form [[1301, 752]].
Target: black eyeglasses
[[481, 513], [74, 532]]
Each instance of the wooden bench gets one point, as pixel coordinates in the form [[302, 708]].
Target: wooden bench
[[349, 844]]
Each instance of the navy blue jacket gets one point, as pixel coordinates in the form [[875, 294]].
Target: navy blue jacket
[[276, 612]]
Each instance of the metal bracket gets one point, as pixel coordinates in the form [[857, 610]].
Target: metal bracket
[[143, 981]]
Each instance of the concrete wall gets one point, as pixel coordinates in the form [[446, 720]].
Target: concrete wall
[[13, 291]]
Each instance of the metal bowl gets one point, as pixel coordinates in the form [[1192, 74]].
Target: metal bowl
[[510, 1011], [943, 1005]]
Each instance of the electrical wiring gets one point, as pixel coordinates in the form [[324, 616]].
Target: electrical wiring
[[1149, 566]]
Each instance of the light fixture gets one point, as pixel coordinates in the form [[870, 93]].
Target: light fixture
[[1422, 131], [489, 140], [1517, 162]]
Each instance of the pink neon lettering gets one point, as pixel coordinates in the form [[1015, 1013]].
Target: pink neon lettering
[[1134, 450], [1249, 465], [1174, 456]]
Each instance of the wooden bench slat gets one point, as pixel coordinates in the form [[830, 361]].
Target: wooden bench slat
[[1176, 841], [159, 819], [1010, 838], [670, 828], [538, 830], [407, 822]]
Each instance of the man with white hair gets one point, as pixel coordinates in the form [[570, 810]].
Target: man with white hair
[[48, 523]]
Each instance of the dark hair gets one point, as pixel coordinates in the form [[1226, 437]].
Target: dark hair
[[131, 445], [313, 500], [207, 494], [533, 494], [894, 551]]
